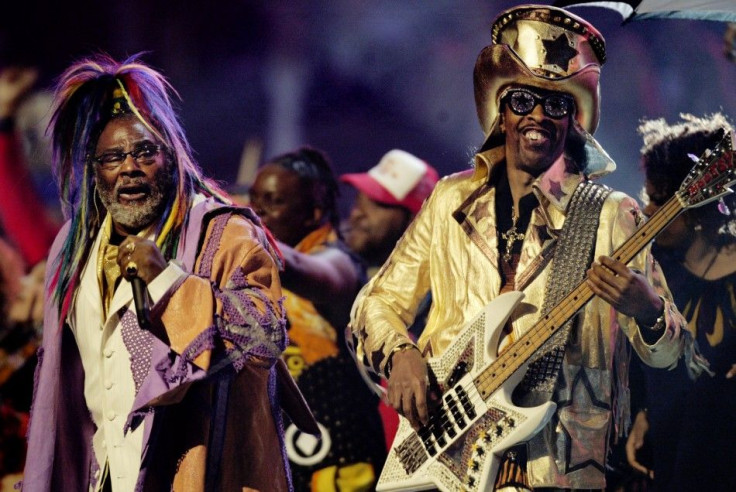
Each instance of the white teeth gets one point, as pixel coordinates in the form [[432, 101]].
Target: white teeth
[[534, 135]]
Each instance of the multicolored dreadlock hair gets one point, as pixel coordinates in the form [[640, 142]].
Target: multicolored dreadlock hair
[[87, 95]]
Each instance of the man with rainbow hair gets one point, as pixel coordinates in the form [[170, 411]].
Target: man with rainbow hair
[[186, 399]]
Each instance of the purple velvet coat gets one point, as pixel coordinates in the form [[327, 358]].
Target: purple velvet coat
[[221, 325]]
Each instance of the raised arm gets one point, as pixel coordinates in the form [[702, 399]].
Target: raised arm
[[226, 314], [330, 279]]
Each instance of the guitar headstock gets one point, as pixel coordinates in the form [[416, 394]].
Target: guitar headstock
[[711, 176]]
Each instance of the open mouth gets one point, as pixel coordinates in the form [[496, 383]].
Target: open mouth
[[133, 193], [536, 136]]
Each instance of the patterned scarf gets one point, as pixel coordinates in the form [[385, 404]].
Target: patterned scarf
[[309, 333], [108, 270]]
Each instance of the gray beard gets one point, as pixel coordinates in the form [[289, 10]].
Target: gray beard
[[142, 214]]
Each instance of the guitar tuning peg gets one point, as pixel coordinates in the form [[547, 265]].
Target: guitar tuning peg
[[693, 157]]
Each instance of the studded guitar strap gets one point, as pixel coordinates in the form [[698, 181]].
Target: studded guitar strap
[[572, 257]]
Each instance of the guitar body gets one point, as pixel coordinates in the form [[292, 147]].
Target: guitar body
[[461, 447]]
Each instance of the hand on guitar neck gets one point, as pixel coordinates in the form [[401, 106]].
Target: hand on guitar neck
[[628, 291]]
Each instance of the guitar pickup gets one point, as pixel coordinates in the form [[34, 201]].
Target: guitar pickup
[[426, 436], [460, 370], [436, 426], [455, 410], [465, 402]]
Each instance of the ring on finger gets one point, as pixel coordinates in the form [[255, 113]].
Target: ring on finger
[[131, 268]]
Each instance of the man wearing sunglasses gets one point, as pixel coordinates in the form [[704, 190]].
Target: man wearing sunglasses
[[500, 227]]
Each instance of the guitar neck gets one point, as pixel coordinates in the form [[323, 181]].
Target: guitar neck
[[522, 350]]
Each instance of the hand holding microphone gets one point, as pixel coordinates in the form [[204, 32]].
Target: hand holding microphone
[[140, 262]]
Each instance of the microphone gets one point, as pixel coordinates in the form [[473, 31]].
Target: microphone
[[140, 292], [140, 299]]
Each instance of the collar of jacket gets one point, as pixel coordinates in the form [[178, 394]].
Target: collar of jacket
[[554, 187], [592, 159]]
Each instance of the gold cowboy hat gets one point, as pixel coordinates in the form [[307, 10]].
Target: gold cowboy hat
[[539, 46]]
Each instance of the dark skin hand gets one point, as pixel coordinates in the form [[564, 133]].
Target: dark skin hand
[[626, 290], [408, 387], [145, 254], [635, 442]]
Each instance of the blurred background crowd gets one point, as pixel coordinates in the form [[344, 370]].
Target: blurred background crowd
[[357, 78], [258, 78]]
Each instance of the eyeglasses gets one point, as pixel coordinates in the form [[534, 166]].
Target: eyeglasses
[[522, 102], [145, 154]]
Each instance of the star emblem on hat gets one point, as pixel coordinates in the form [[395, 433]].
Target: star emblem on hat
[[559, 52]]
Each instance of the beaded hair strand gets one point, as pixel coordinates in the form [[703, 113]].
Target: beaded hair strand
[[82, 107]]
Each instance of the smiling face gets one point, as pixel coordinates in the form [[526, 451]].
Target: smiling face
[[135, 192], [533, 141]]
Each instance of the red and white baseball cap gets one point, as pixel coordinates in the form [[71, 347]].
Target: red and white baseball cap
[[399, 178]]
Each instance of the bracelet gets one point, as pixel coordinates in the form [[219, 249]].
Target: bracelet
[[659, 324], [399, 348]]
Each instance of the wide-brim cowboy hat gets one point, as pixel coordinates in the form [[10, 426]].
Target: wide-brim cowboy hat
[[544, 47]]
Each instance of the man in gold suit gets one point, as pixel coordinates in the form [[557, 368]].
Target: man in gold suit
[[495, 229]]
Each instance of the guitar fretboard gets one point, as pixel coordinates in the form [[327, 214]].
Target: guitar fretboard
[[523, 349]]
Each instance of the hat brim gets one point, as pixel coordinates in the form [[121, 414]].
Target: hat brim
[[498, 67], [366, 184]]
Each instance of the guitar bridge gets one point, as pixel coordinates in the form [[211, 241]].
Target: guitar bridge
[[411, 454]]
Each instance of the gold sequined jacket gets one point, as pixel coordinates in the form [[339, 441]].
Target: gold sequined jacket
[[451, 248]]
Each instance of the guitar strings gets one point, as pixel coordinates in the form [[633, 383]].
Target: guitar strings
[[557, 317], [625, 253], [628, 251]]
